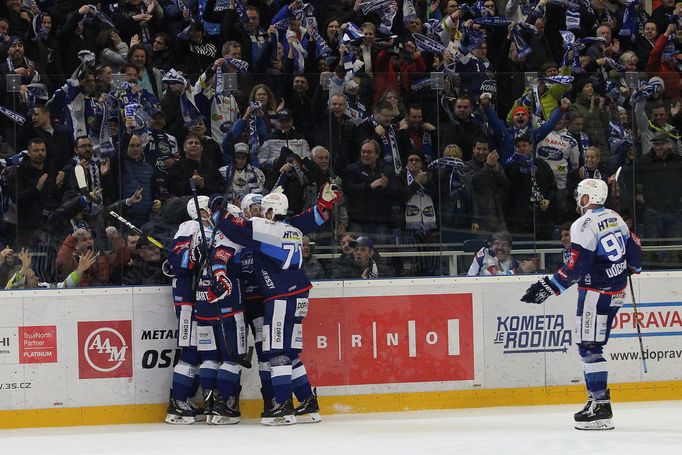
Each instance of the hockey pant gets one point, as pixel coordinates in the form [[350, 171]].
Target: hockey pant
[[283, 343], [185, 373], [594, 317], [221, 338]]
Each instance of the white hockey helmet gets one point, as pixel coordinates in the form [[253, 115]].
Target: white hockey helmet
[[595, 189], [234, 210], [249, 200], [278, 202], [203, 205]]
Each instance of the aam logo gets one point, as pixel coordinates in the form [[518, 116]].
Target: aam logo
[[105, 349]]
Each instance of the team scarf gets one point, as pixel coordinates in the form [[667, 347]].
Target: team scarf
[[240, 65], [389, 146], [306, 15], [568, 45], [95, 178], [106, 147], [426, 44], [96, 14], [646, 89], [521, 33], [629, 28], [563, 80], [39, 32], [456, 168], [36, 92], [592, 174], [374, 5], [300, 54], [14, 116], [254, 142], [87, 59], [409, 11], [351, 37], [471, 39], [433, 27], [492, 21], [190, 112], [11, 66], [241, 10], [388, 13], [619, 139], [526, 165]]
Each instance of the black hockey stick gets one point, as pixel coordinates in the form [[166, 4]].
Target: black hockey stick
[[206, 250], [83, 187], [639, 333]]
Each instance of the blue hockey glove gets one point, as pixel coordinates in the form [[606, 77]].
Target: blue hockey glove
[[540, 291], [196, 256]]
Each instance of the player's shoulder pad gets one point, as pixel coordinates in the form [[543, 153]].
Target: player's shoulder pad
[[187, 228]]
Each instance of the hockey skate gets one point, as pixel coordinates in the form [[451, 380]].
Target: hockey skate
[[268, 402], [596, 415], [308, 411], [180, 413], [224, 411], [280, 414]]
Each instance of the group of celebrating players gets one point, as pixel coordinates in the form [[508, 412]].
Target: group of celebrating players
[[235, 268]]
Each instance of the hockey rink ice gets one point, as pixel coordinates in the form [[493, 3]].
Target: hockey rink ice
[[641, 428]]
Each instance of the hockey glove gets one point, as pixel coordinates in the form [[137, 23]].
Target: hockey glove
[[329, 196], [196, 257], [540, 291], [220, 287]]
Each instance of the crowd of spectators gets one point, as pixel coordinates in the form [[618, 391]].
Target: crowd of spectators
[[440, 121]]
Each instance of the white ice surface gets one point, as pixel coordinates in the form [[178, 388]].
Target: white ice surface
[[648, 428]]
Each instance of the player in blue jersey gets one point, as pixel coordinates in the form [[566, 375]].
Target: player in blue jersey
[[602, 253], [180, 411], [220, 287], [253, 300], [277, 244]]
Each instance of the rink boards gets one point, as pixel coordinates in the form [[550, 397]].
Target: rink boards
[[97, 356]]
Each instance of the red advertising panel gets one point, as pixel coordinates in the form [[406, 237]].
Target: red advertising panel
[[38, 344], [383, 340], [105, 349]]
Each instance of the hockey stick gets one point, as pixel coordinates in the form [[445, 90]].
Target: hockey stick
[[639, 333], [83, 187], [207, 251]]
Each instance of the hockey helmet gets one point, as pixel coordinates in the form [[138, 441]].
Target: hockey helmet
[[595, 189], [249, 200], [204, 204], [234, 210], [278, 202]]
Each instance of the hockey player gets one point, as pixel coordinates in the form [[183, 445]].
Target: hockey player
[[277, 246], [308, 410], [253, 300], [180, 410], [602, 254], [216, 331]]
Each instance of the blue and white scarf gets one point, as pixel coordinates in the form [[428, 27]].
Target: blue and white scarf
[[521, 33], [409, 12], [492, 21], [426, 44], [389, 146], [14, 116], [456, 166], [630, 17], [240, 65], [190, 112]]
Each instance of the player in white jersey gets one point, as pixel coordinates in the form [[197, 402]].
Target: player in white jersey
[[602, 254]]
